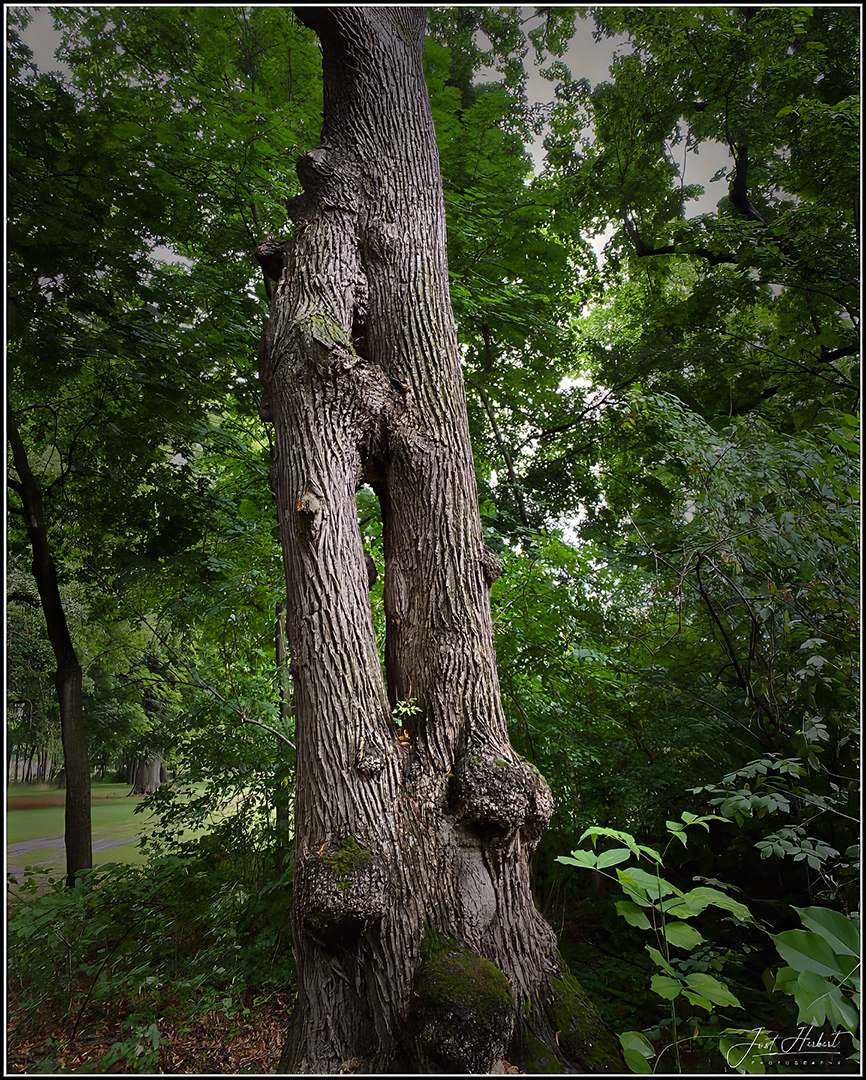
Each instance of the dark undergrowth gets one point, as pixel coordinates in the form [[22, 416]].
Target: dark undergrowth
[[182, 965]]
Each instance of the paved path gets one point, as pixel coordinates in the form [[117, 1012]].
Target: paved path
[[56, 842]]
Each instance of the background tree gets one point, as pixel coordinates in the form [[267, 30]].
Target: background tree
[[109, 415]]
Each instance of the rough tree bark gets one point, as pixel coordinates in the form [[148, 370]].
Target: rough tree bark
[[68, 676], [418, 945]]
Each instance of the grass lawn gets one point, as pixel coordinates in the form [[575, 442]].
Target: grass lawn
[[113, 819]]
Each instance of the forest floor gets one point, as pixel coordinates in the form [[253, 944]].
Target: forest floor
[[250, 1041], [212, 1045]]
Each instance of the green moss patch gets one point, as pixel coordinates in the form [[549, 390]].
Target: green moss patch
[[463, 1008], [582, 1034], [347, 859], [539, 1059]]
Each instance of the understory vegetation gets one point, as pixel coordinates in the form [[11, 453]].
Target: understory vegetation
[[664, 409]]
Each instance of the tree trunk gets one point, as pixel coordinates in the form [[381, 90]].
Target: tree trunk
[[79, 853], [148, 775], [281, 807], [31, 754], [418, 946]]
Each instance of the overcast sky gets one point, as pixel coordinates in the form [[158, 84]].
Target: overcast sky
[[585, 59]]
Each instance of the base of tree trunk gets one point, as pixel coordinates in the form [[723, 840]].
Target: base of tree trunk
[[462, 1021]]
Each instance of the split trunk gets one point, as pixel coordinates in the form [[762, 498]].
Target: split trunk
[[418, 946]]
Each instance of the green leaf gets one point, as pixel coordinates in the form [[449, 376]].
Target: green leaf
[[710, 987], [636, 1050], [584, 859], [840, 933], [682, 935], [612, 857], [649, 884], [786, 980], [660, 960], [632, 914], [697, 999], [636, 1061], [811, 994], [595, 831], [819, 1000], [843, 1012], [742, 1049], [696, 900], [806, 951], [666, 987]]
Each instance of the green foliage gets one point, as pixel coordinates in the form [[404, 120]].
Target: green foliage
[[823, 968], [178, 936], [656, 905], [407, 708], [590, 701], [131, 349], [824, 959]]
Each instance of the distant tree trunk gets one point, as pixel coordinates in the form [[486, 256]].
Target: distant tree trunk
[[79, 853], [418, 945], [149, 774], [281, 654]]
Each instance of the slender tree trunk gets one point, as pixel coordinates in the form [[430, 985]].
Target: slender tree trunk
[[417, 942], [79, 854]]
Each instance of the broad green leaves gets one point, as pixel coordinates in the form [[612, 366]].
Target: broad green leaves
[[823, 960], [823, 968]]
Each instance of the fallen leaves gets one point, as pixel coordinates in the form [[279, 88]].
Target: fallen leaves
[[216, 1043]]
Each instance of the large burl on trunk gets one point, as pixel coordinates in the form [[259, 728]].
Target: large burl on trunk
[[418, 945]]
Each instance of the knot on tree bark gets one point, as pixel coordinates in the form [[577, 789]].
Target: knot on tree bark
[[314, 168], [271, 256], [339, 892], [491, 565], [463, 1010], [498, 796], [309, 516], [327, 346]]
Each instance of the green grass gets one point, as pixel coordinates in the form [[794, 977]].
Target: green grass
[[113, 818], [112, 815]]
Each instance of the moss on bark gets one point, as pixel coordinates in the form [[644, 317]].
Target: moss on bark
[[347, 859], [462, 1012], [582, 1034]]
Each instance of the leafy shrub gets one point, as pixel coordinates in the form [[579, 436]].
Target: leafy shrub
[[139, 943], [821, 976]]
